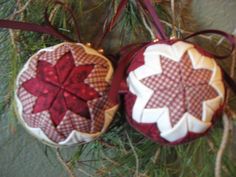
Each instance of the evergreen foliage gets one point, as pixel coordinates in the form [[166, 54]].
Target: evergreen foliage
[[121, 151]]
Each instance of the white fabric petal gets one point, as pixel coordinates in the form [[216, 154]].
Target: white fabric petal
[[197, 126], [206, 63], [219, 86], [187, 123], [75, 137], [179, 131], [152, 115], [195, 57], [163, 122], [179, 48], [160, 49], [207, 113], [216, 75], [143, 94], [214, 103]]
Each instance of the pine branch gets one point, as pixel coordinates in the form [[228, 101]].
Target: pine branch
[[223, 145], [64, 163]]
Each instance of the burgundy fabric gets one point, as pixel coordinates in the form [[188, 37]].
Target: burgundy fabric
[[64, 89], [126, 58], [61, 87], [171, 88]]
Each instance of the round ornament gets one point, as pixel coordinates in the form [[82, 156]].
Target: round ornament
[[175, 91], [61, 94]]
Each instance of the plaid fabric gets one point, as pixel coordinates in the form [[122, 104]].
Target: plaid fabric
[[29, 73], [96, 108], [96, 79], [84, 58], [27, 100], [71, 120], [54, 55], [42, 120], [180, 88]]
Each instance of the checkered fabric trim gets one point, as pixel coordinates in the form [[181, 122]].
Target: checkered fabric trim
[[192, 77], [42, 121], [53, 56], [97, 107], [195, 96], [84, 58], [180, 88], [27, 100], [71, 121], [96, 79], [29, 73]]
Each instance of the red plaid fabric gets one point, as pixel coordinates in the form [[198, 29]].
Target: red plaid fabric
[[27, 100], [72, 119], [96, 107], [96, 79], [72, 122], [180, 88]]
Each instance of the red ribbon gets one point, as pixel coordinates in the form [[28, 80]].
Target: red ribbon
[[121, 7], [147, 5], [46, 29]]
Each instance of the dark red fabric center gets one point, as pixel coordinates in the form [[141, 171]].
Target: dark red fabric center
[[61, 87]]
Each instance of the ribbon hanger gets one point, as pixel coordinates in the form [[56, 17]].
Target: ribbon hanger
[[48, 28], [110, 25], [230, 38]]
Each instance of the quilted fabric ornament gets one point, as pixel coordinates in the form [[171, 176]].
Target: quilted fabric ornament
[[175, 92], [61, 94], [175, 89]]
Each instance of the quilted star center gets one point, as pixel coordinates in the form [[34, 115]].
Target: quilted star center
[[61, 87]]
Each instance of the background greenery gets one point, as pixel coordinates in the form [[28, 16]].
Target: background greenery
[[121, 151]]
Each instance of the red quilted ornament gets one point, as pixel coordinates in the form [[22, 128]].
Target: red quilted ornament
[[61, 94], [175, 92]]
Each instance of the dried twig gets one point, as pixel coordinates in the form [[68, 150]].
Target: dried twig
[[227, 120], [223, 144], [13, 16], [174, 34], [22, 9], [184, 31], [64, 163], [155, 157], [146, 25], [84, 172]]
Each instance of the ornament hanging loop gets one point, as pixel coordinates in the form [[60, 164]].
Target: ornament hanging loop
[[228, 37]]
